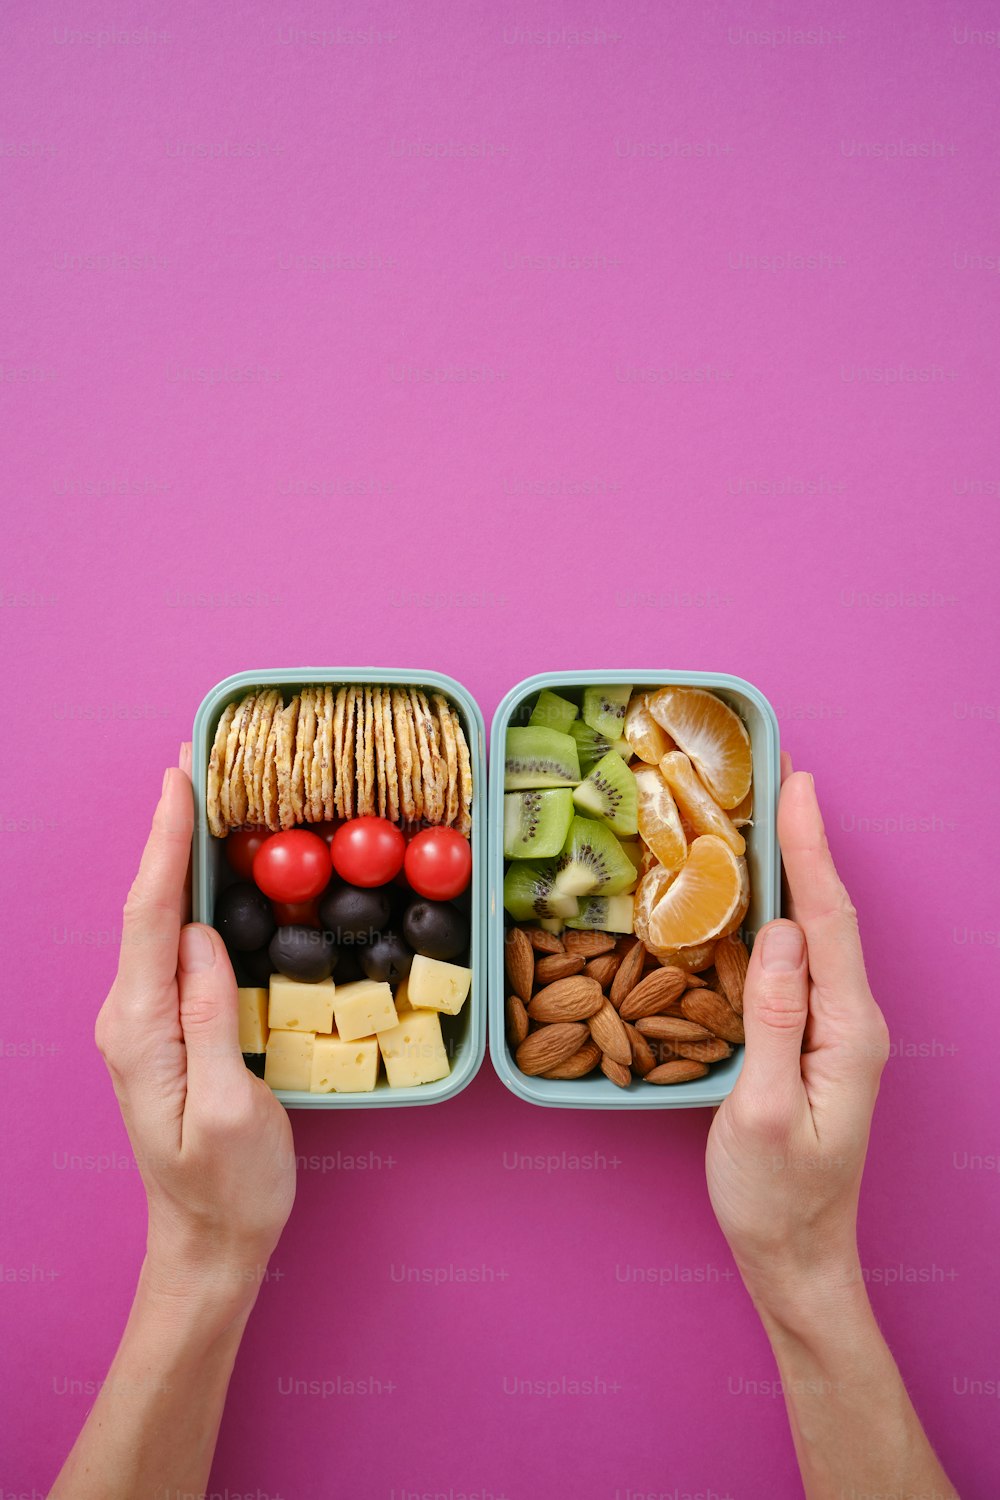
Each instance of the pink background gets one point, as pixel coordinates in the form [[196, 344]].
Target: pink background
[[583, 501]]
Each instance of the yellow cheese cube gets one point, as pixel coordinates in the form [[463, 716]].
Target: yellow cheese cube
[[288, 1064], [435, 985], [362, 1008], [402, 997], [253, 1019], [414, 1049], [340, 1067], [294, 1006]]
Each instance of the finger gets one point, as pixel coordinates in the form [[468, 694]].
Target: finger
[[786, 765], [155, 907], [209, 1016], [818, 900], [775, 1009]]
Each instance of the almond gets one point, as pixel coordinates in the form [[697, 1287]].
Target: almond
[[582, 1062], [519, 959], [588, 943], [712, 1011], [643, 1059], [731, 961], [616, 1071], [542, 941], [673, 1029], [517, 1020], [654, 993], [573, 999], [706, 1052], [557, 966], [679, 1071], [603, 968], [629, 971], [608, 1030], [549, 1046]]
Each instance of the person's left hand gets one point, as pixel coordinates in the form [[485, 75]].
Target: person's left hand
[[212, 1143]]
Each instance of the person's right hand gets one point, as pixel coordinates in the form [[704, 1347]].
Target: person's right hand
[[787, 1148], [212, 1142]]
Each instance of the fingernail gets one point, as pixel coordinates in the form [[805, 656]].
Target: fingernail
[[184, 757], [166, 778], [783, 948], [197, 951]]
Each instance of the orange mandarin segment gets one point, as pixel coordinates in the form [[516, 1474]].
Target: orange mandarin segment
[[696, 805], [711, 734], [704, 899]]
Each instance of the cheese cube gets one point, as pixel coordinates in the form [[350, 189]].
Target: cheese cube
[[434, 985], [340, 1067], [288, 1064], [294, 1006], [414, 1049], [402, 997], [362, 1008], [253, 1019]]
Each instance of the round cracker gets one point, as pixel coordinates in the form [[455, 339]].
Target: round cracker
[[232, 746], [446, 725], [308, 751], [269, 773], [339, 710], [429, 757], [326, 740], [371, 775], [237, 785], [362, 766], [465, 788], [380, 800], [213, 780], [347, 765], [248, 749], [265, 708], [305, 730], [284, 756], [389, 752], [403, 754]]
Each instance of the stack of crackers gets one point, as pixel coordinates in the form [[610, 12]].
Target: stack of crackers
[[339, 752]]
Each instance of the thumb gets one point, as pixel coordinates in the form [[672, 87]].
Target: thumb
[[775, 1009], [208, 1009]]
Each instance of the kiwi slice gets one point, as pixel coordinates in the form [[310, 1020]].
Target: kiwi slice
[[529, 891], [604, 709], [592, 747], [609, 793], [552, 712], [536, 822], [605, 913], [592, 862], [539, 757]]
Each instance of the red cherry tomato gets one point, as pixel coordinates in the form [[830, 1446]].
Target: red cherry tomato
[[296, 913], [438, 863], [241, 846], [367, 851], [292, 866]]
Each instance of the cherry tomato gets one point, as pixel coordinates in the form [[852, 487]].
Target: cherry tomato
[[241, 846], [296, 913], [438, 863], [367, 851], [292, 866]]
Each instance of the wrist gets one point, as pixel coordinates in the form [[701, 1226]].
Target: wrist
[[206, 1284], [809, 1304]]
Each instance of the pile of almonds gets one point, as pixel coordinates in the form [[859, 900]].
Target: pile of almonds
[[589, 999]]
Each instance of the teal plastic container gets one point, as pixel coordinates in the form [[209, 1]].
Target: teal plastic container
[[763, 859], [464, 1034]]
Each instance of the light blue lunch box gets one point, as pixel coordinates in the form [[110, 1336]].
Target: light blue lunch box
[[464, 1034], [595, 1091]]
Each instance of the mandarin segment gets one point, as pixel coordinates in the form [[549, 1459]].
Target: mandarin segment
[[705, 898], [711, 735]]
